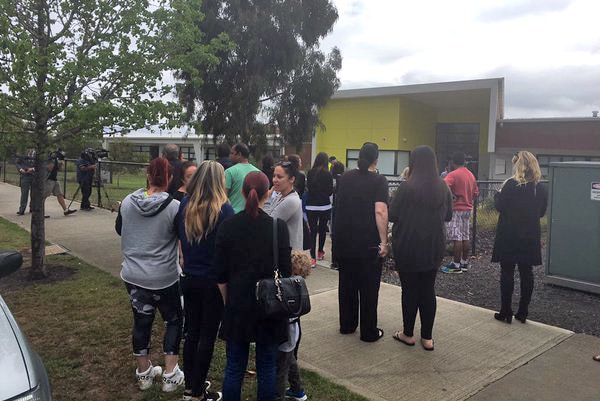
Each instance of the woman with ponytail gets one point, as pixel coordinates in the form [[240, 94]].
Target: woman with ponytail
[[200, 214], [147, 225], [244, 255]]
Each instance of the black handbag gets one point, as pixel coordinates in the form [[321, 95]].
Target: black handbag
[[282, 297]]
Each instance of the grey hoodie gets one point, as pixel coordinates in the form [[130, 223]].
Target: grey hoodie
[[149, 240]]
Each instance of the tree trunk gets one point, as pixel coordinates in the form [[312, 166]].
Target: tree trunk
[[38, 229], [40, 112]]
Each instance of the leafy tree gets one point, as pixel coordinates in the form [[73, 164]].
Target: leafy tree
[[274, 60], [73, 66]]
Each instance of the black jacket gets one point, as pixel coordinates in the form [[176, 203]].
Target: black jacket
[[244, 255], [518, 233], [419, 233], [319, 184]]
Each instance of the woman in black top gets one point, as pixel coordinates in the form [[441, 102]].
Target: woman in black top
[[360, 243], [318, 206], [419, 209], [521, 203], [337, 169], [244, 255]]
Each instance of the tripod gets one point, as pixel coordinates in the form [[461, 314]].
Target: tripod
[[96, 182]]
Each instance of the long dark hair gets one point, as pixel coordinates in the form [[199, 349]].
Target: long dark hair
[[256, 185], [368, 154], [424, 183], [321, 162]]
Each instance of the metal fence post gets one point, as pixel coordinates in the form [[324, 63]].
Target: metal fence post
[[65, 178], [98, 183]]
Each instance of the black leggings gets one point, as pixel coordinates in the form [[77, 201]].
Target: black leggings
[[507, 283], [317, 221], [144, 303], [203, 314], [418, 294]]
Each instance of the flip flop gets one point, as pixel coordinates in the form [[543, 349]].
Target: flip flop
[[426, 348], [397, 337], [596, 358]]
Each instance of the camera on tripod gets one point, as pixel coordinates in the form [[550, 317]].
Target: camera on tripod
[[92, 155]]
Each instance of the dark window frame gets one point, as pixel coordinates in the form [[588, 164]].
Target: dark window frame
[[396, 154]]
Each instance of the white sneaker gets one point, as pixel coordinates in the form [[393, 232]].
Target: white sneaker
[[172, 380], [145, 379]]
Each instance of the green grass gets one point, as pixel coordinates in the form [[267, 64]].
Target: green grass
[[80, 321]]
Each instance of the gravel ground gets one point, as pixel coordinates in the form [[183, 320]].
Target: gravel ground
[[557, 306]]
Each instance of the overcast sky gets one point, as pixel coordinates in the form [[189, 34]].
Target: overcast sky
[[548, 51]]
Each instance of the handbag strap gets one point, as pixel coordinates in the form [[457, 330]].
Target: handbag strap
[[275, 246]]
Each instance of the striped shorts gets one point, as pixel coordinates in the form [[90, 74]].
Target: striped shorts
[[458, 227]]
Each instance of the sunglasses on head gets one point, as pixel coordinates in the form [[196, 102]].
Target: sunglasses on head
[[284, 164]]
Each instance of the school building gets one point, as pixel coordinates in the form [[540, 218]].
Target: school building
[[463, 116]]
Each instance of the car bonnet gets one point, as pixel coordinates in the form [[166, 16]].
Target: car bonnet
[[14, 379]]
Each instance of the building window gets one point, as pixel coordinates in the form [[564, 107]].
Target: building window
[[188, 152], [545, 160], [391, 162]]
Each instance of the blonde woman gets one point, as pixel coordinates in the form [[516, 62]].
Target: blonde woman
[[200, 215], [521, 203]]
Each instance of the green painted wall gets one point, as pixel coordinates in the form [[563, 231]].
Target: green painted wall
[[351, 122], [394, 123]]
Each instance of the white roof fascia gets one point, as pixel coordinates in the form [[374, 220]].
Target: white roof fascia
[[550, 120], [419, 88]]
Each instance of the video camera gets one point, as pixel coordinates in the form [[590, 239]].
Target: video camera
[[91, 155], [58, 154]]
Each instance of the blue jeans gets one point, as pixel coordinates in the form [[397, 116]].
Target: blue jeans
[[266, 370]]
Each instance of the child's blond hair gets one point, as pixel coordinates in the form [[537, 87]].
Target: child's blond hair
[[300, 264]]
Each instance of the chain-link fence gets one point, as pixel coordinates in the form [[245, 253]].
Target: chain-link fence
[[485, 216], [112, 180]]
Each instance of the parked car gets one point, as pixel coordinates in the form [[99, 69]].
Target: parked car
[[24, 377]]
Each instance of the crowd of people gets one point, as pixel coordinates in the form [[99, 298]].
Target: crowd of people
[[209, 237]]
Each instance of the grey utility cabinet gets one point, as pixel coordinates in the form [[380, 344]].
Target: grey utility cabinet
[[574, 226]]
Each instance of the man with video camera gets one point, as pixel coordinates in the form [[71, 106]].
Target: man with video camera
[[25, 166], [86, 168], [52, 186]]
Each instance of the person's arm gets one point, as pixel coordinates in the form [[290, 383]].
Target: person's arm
[[223, 291], [221, 260], [228, 181], [448, 216], [543, 199], [381, 218], [328, 180], [119, 223]]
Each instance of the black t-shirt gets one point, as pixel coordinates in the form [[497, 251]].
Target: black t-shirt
[[54, 172], [355, 229]]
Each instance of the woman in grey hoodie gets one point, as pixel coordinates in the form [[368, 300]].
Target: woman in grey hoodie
[[147, 225]]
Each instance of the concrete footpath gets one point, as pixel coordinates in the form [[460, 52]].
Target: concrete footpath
[[475, 357]]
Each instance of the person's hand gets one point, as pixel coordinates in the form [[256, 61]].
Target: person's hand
[[384, 250]]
